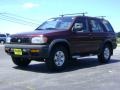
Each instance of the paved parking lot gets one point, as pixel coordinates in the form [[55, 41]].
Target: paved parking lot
[[85, 74]]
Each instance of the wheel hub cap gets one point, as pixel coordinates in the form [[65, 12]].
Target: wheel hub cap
[[106, 53], [59, 58]]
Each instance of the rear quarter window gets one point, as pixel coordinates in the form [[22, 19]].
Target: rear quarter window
[[95, 25], [108, 26]]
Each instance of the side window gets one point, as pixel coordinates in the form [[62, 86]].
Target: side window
[[95, 26], [80, 25], [107, 26]]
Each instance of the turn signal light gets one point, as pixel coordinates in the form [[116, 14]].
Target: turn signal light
[[34, 51]]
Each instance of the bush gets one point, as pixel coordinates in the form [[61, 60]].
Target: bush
[[118, 34], [118, 40]]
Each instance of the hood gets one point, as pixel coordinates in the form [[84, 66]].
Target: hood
[[36, 33]]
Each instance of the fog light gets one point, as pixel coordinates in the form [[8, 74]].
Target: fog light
[[12, 49], [25, 50], [34, 51]]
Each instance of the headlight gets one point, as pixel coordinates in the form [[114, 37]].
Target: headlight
[[39, 39], [8, 39]]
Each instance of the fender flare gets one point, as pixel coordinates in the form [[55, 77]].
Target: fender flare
[[102, 45], [58, 41]]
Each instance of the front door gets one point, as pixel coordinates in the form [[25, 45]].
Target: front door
[[81, 36]]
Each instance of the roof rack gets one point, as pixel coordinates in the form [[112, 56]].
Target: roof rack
[[83, 14], [102, 17]]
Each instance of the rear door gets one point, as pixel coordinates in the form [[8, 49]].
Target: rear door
[[98, 34]]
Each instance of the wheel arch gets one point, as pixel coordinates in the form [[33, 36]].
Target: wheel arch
[[107, 42], [60, 42]]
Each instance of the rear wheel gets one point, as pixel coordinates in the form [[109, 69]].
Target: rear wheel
[[22, 62], [105, 54], [58, 59]]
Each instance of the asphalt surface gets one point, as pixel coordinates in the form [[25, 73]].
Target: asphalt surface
[[85, 74]]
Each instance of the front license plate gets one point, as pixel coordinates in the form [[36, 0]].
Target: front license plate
[[17, 51]]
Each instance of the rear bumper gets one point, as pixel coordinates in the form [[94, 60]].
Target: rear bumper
[[28, 51]]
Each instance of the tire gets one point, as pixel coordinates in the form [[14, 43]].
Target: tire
[[58, 59], [105, 54], [22, 62]]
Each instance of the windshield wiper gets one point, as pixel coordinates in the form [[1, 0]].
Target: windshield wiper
[[50, 28], [38, 29]]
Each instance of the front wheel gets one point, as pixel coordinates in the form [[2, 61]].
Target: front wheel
[[105, 54], [58, 59], [22, 62]]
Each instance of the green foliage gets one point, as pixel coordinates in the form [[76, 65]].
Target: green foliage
[[118, 40], [118, 34]]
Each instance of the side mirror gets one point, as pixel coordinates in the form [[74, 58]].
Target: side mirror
[[78, 27]]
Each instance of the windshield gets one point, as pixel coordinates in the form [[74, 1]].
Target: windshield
[[56, 23]]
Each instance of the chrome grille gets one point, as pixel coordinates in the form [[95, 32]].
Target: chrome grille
[[20, 40]]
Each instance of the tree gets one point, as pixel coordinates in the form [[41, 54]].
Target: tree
[[118, 34]]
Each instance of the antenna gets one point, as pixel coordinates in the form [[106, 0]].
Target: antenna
[[83, 14]]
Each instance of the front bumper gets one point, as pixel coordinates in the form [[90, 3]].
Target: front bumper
[[36, 52]]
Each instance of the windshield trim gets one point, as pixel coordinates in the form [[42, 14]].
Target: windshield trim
[[58, 18]]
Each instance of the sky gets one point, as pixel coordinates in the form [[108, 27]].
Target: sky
[[34, 12]]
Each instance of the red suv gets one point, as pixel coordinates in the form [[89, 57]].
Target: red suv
[[58, 40]]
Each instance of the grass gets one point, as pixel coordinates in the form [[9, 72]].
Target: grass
[[118, 45], [118, 40]]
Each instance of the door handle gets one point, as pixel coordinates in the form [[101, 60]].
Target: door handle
[[90, 34]]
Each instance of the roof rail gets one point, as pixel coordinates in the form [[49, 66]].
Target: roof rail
[[74, 14]]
